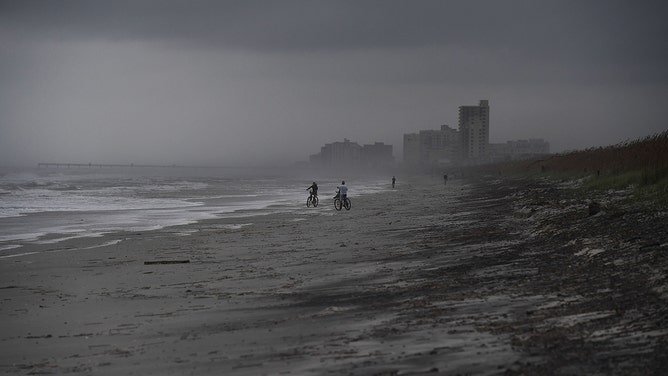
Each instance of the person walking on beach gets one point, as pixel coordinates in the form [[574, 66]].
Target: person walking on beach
[[393, 180], [445, 179]]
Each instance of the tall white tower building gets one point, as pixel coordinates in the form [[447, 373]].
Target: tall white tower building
[[474, 129]]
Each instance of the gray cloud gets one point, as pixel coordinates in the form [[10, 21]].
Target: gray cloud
[[257, 81], [566, 31]]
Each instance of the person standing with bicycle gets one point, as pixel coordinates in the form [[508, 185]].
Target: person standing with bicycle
[[342, 191], [341, 199], [313, 198]]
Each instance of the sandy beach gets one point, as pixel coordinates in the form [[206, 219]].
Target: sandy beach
[[477, 277]]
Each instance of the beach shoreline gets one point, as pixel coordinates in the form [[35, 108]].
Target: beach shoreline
[[476, 277]]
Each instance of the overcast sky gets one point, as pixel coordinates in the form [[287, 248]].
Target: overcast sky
[[253, 82]]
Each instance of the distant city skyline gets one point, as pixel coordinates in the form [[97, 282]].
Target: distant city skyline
[[467, 145]]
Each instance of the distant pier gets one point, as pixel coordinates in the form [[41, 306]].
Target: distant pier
[[101, 165]]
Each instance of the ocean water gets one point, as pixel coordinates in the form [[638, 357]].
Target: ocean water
[[43, 206]]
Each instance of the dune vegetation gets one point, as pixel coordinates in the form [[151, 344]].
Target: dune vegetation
[[640, 166]]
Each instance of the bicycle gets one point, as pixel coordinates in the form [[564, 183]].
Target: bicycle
[[345, 203], [312, 200]]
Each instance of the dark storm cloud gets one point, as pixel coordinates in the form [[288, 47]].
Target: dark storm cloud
[[611, 32]]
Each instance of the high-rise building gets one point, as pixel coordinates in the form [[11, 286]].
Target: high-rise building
[[451, 141], [338, 153], [474, 130], [431, 147], [377, 155]]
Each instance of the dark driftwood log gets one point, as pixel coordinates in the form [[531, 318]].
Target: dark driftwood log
[[166, 262]]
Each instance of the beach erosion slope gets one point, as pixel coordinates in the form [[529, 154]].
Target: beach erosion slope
[[477, 277]]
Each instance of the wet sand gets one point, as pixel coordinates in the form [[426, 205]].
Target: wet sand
[[485, 278]]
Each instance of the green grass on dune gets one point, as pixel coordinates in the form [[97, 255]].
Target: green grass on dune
[[648, 185], [639, 166]]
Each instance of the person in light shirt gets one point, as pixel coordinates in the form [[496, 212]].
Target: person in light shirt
[[342, 191]]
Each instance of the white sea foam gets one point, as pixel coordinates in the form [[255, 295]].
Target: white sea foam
[[18, 255], [79, 234], [10, 246], [107, 244], [27, 236], [237, 226], [23, 202]]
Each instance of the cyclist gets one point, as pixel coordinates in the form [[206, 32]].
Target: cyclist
[[342, 191], [314, 189]]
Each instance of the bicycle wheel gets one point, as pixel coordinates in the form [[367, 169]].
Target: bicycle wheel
[[347, 204], [315, 201], [308, 202], [338, 204]]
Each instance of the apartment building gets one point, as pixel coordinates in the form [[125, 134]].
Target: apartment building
[[468, 144], [351, 154], [474, 130], [519, 149], [376, 155], [341, 153], [430, 147]]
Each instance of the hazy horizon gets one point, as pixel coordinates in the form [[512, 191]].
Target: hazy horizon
[[263, 83]]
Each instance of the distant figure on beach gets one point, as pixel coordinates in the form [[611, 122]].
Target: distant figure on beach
[[393, 180], [342, 191], [314, 189], [445, 179]]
